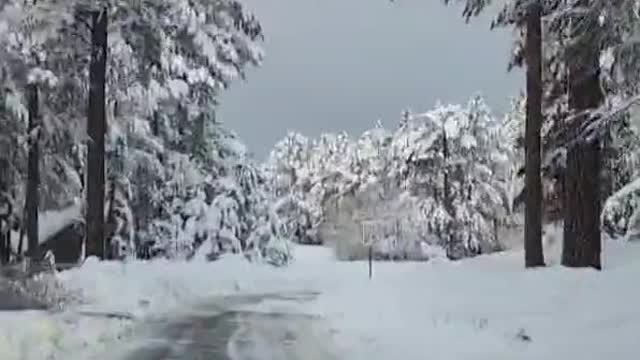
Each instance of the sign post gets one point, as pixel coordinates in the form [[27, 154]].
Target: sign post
[[368, 239], [370, 261], [378, 228]]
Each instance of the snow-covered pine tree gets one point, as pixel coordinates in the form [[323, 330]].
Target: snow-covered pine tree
[[167, 64], [460, 156], [619, 211], [287, 156], [228, 213]]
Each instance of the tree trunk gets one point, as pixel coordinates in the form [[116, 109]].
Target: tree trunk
[[155, 124], [111, 225], [5, 224], [607, 171], [448, 205], [23, 224], [96, 129], [7, 238], [533, 252], [581, 245], [5, 245], [446, 184], [33, 173]]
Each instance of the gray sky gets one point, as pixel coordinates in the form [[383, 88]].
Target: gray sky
[[342, 64]]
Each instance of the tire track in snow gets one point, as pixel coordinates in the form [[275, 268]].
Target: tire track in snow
[[216, 331]]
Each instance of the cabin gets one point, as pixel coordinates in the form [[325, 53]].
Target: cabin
[[59, 231], [62, 233], [65, 244]]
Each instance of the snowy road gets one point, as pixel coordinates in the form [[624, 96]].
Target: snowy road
[[221, 331]]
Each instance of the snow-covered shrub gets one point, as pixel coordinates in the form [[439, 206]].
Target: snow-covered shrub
[[298, 219], [219, 206], [621, 212], [43, 289], [266, 244], [341, 230]]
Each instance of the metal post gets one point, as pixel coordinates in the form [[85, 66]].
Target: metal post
[[370, 261]]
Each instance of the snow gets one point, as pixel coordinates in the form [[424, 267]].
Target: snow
[[476, 308], [487, 307], [135, 289]]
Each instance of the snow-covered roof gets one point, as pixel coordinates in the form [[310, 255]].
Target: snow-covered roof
[[52, 222]]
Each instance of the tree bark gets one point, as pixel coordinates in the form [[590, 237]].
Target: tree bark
[[581, 245], [5, 224], [448, 205], [607, 171], [23, 224], [33, 173], [96, 129], [533, 252], [446, 184], [111, 221]]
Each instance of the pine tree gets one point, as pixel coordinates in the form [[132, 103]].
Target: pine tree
[[28, 27], [526, 17], [533, 181], [166, 67], [581, 245], [96, 131], [387, 174], [33, 173]]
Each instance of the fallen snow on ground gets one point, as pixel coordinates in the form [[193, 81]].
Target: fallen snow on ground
[[485, 308], [114, 297]]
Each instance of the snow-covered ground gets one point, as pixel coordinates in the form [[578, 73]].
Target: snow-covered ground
[[484, 308]]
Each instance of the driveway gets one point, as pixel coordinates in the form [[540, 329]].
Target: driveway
[[227, 329]]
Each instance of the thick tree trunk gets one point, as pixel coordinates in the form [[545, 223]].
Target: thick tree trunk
[[96, 129], [33, 173], [533, 198], [581, 245]]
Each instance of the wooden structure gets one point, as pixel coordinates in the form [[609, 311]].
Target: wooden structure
[[66, 244]]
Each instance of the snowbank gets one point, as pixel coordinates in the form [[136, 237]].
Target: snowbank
[[486, 308], [115, 296]]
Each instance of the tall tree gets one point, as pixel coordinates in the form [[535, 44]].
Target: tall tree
[[533, 181], [582, 206], [33, 172], [594, 42], [96, 129], [164, 59], [526, 16]]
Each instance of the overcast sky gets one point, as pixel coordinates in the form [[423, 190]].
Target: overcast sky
[[342, 64]]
